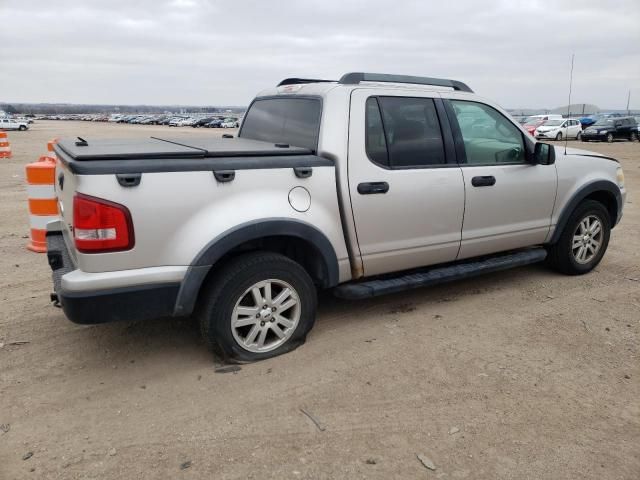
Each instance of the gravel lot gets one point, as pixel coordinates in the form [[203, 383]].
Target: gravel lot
[[524, 374]]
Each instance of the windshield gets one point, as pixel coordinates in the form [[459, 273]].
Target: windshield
[[604, 122], [553, 123], [291, 120]]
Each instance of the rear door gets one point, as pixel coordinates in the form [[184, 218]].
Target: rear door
[[407, 192], [574, 128]]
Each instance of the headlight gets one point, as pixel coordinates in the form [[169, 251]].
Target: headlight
[[602, 132], [620, 177]]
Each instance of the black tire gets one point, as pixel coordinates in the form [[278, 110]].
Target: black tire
[[560, 255], [220, 295], [22, 128], [559, 136], [633, 137], [609, 137], [579, 136]]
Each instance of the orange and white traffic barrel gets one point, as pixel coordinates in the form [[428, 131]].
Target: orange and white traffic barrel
[[43, 205], [5, 148], [51, 143]]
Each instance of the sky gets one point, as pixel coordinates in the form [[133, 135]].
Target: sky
[[199, 52]]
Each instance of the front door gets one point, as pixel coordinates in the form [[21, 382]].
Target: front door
[[508, 201], [407, 192]]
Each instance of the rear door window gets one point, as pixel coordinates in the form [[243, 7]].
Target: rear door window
[[295, 121], [404, 132]]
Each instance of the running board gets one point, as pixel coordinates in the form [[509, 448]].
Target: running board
[[434, 276]]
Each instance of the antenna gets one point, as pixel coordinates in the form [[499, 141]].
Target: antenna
[[566, 137]]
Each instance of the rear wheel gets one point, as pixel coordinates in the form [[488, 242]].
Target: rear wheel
[[579, 136], [583, 241], [559, 136], [610, 137], [258, 306], [633, 137]]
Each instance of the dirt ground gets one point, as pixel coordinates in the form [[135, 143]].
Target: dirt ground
[[524, 374]]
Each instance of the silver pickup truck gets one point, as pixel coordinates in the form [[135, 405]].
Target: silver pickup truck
[[368, 185]]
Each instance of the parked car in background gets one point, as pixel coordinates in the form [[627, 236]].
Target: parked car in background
[[215, 123], [202, 122], [534, 121], [612, 128], [559, 129], [13, 124], [230, 123]]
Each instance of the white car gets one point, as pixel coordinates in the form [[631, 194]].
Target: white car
[[13, 124], [559, 129], [228, 123], [176, 122]]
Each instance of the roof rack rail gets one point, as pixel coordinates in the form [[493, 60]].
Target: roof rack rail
[[294, 81], [356, 77]]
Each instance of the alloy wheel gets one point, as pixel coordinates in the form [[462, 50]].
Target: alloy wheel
[[265, 316], [587, 239]]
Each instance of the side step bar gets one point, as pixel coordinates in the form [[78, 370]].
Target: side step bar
[[433, 276]]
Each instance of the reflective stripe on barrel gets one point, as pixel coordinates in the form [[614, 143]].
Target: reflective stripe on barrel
[[5, 148]]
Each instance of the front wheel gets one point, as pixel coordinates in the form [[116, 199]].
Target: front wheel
[[633, 137], [579, 136], [258, 306], [583, 241], [609, 137], [22, 128], [559, 136]]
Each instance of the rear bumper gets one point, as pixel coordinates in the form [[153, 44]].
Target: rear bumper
[[84, 304], [127, 303]]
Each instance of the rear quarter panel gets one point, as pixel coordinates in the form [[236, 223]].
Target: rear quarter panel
[[175, 215]]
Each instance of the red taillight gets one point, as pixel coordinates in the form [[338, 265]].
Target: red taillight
[[101, 226]]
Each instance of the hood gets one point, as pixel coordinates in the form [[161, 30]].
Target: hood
[[579, 152]]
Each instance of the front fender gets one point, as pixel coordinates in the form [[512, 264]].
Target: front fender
[[579, 196]]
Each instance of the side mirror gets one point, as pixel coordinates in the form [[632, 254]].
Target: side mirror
[[544, 154]]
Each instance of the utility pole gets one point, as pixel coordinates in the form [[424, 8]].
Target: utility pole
[[628, 99]]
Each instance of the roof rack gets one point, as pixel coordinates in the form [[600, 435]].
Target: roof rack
[[294, 81], [355, 78]]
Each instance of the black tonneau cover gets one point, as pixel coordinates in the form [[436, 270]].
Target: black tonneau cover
[[150, 155], [191, 147]]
